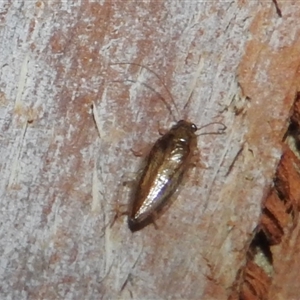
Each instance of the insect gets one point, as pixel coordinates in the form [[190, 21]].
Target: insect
[[166, 164], [168, 160]]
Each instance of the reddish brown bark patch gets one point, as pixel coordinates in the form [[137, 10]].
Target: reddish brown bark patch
[[279, 217]]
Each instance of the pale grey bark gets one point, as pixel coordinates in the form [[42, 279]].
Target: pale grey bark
[[62, 178]]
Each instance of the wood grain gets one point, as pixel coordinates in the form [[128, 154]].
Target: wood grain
[[63, 175]]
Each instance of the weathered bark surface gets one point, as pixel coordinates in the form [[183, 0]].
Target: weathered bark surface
[[62, 177]]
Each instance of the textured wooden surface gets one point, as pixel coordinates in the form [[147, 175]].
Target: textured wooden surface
[[63, 178]]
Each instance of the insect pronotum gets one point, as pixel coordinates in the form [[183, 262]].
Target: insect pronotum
[[166, 164]]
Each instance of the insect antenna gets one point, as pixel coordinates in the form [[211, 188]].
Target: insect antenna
[[152, 89], [220, 130]]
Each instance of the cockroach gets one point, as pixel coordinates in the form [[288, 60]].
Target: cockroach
[[168, 160]]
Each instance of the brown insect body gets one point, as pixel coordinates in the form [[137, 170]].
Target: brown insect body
[[167, 161], [166, 164]]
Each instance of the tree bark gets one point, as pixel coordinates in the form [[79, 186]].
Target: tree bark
[[84, 86]]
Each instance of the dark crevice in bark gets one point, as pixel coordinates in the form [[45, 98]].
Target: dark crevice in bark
[[279, 216]]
